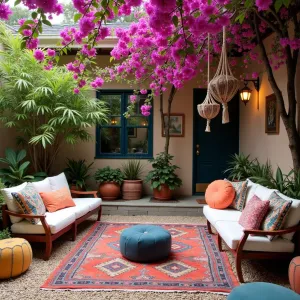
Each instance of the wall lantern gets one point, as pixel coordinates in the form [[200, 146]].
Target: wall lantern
[[245, 93]]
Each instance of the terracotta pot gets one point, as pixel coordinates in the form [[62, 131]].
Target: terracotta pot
[[109, 190], [75, 188], [132, 189], [163, 194]]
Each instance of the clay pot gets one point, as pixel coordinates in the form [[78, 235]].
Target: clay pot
[[163, 194], [132, 189], [109, 191], [73, 187]]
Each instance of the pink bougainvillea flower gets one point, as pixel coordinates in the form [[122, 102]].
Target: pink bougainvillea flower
[[76, 91], [133, 98], [97, 83], [5, 11], [39, 55], [50, 52], [263, 4], [255, 75]]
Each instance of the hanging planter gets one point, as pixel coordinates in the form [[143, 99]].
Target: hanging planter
[[209, 109], [224, 85]]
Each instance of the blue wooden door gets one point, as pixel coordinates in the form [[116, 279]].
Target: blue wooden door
[[212, 150]]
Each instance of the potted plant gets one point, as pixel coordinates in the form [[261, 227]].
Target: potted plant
[[132, 185], [110, 181], [163, 178], [77, 173]]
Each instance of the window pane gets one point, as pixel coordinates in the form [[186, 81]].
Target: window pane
[[110, 140], [113, 102], [137, 140], [114, 121], [138, 121], [140, 101]]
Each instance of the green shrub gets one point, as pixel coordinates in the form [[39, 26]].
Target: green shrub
[[163, 172], [108, 174], [5, 234]]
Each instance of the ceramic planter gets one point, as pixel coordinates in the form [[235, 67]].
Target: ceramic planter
[[163, 194], [132, 189], [109, 191]]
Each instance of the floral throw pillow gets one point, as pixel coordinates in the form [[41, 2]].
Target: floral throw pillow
[[279, 209], [239, 201], [254, 213], [30, 202]]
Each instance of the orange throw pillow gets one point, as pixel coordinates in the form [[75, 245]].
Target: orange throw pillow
[[219, 194], [57, 200]]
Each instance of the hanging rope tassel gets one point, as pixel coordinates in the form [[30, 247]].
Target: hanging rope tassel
[[225, 116], [207, 129]]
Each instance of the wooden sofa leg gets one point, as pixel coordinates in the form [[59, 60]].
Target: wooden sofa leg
[[220, 243], [74, 231], [209, 227], [238, 266], [99, 213], [48, 249]]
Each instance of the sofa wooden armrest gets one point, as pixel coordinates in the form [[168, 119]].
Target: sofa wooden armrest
[[94, 193], [275, 232]]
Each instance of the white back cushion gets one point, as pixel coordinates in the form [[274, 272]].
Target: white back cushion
[[42, 186], [251, 187], [293, 216], [263, 193], [11, 202], [58, 182]]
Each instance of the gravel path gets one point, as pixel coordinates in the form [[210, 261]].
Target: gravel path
[[28, 285]]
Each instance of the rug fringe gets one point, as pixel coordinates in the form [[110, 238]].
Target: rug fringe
[[128, 290]]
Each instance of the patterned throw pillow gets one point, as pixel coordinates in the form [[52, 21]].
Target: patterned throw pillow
[[30, 202], [254, 213], [239, 201], [277, 213]]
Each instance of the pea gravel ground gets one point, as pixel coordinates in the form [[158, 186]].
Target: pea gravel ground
[[28, 285]]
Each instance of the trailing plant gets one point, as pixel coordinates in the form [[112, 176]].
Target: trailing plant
[[77, 172], [41, 104], [293, 187], [108, 174], [132, 169], [163, 172], [5, 234], [17, 170]]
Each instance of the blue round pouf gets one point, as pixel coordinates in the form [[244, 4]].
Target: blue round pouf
[[145, 243], [262, 291]]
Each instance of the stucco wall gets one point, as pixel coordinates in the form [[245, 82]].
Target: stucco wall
[[180, 147], [253, 139]]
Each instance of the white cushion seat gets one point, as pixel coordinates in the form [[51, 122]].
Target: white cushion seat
[[56, 220], [215, 215], [232, 232]]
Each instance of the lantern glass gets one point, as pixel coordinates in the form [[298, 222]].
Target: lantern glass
[[245, 94]]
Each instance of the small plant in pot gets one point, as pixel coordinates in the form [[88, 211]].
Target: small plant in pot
[[77, 173], [110, 181], [132, 187], [163, 178]]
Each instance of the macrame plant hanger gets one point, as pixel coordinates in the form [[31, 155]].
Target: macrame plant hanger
[[224, 85], [208, 109]]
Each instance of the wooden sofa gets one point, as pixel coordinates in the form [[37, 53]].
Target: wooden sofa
[[254, 244], [52, 225]]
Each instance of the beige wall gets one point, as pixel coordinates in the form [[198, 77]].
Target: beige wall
[[180, 147], [253, 139]]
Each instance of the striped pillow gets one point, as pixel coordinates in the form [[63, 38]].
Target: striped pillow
[[277, 213], [240, 195]]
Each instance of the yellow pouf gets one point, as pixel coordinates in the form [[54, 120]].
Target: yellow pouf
[[15, 257]]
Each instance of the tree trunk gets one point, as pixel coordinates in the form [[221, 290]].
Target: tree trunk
[[168, 122], [289, 119]]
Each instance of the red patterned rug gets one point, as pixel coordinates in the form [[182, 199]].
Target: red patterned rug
[[195, 263]]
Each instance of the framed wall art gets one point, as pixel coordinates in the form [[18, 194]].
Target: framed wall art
[[272, 115], [176, 126]]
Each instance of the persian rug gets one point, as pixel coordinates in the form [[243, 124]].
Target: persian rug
[[195, 263]]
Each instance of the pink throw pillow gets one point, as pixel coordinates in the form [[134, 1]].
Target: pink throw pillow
[[254, 213]]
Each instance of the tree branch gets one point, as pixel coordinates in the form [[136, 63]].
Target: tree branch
[[272, 26]]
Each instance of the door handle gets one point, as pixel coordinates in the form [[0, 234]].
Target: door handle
[[197, 149]]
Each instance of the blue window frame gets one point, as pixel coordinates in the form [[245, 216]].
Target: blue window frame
[[121, 137]]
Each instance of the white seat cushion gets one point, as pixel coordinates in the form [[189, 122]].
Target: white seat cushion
[[216, 215], [232, 232], [93, 202], [81, 208], [58, 182], [57, 221], [11, 203], [293, 216], [42, 186]]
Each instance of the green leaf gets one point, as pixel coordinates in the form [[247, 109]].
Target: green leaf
[[175, 20], [17, 2], [77, 17], [278, 4], [21, 155], [47, 22], [34, 15]]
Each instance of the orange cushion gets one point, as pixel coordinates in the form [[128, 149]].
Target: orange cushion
[[219, 194], [57, 200]]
